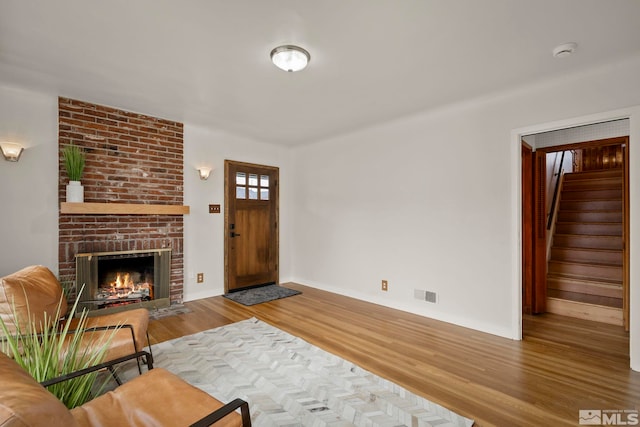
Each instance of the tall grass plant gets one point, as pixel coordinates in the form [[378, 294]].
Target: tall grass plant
[[57, 350], [74, 160]]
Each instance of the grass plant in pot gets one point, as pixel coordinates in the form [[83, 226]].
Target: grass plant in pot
[[54, 350], [74, 159]]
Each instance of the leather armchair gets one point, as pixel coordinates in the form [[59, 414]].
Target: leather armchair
[[156, 398], [34, 293]]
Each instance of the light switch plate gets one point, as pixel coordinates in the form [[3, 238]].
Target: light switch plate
[[214, 208]]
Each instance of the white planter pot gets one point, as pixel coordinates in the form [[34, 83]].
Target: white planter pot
[[75, 192]]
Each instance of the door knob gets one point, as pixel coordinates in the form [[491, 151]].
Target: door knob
[[234, 234]]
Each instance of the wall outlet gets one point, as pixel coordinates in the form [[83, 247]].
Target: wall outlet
[[385, 285], [200, 278]]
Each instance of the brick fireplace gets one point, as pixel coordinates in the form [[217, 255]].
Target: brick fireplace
[[130, 159]]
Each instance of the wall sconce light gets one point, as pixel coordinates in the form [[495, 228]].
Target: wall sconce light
[[204, 173], [11, 151]]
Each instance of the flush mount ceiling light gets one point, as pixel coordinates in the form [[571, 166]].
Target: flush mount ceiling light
[[564, 50], [290, 58]]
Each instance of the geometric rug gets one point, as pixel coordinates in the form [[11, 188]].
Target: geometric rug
[[261, 294], [289, 382]]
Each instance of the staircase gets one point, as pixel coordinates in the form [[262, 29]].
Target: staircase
[[584, 273]]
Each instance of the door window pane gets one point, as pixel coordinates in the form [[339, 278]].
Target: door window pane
[[264, 180], [253, 179], [253, 193], [264, 194], [241, 193], [241, 178]]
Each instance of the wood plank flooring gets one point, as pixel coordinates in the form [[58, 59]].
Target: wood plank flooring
[[561, 366]]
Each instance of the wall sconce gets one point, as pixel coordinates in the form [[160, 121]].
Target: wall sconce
[[11, 151], [204, 173]]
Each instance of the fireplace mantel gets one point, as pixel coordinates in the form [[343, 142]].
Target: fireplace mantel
[[122, 209]]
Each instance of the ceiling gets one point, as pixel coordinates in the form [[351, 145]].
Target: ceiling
[[206, 62]]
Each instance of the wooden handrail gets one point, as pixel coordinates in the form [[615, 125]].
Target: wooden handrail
[[555, 194]]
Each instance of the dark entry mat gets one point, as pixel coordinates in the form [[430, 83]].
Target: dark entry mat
[[262, 294]]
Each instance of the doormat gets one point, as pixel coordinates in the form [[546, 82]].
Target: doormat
[[262, 294]]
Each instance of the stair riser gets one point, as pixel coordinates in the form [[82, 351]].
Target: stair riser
[[595, 242], [594, 288], [591, 205], [615, 194], [587, 184], [587, 271], [589, 229], [579, 216], [609, 173], [586, 256]]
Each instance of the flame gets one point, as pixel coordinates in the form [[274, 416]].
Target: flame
[[123, 281]]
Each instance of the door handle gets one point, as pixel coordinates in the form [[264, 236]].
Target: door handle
[[234, 234]]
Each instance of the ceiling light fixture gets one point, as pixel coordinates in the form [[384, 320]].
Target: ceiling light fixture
[[564, 50], [11, 151], [290, 58]]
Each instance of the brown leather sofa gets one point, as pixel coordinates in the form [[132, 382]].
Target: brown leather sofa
[[34, 294], [157, 398]]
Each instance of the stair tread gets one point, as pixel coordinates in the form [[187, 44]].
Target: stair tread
[[599, 264], [585, 278], [571, 248], [589, 282]]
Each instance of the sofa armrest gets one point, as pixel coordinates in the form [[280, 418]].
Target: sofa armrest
[[222, 412], [108, 365]]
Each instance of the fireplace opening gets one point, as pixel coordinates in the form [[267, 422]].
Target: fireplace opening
[[117, 279], [124, 280]]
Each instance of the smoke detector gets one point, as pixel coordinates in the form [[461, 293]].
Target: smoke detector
[[564, 50]]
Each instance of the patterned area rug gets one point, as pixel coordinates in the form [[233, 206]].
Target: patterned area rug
[[289, 382], [262, 294]]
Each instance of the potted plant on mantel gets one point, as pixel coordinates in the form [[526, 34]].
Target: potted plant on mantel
[[74, 159]]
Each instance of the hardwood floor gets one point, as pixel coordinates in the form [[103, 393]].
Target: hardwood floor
[[561, 366]]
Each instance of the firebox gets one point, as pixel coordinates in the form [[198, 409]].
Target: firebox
[[114, 281]]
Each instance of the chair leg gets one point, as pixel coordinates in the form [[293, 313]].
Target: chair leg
[[149, 344], [114, 375]]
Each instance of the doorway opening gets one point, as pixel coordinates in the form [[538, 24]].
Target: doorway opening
[[575, 222]]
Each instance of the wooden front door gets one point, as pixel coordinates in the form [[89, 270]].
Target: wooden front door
[[251, 225]]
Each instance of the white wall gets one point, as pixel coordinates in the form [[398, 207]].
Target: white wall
[[29, 188], [204, 232], [433, 202]]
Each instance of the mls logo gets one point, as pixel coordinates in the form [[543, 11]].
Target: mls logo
[[590, 417]]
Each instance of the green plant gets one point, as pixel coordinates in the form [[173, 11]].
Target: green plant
[[74, 159], [57, 351]]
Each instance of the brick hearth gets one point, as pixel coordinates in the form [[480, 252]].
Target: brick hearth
[[131, 158]]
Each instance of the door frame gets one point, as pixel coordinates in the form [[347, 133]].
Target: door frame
[[528, 235], [227, 239]]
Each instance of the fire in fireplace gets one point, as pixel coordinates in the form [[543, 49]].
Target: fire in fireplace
[[125, 279], [114, 279]]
